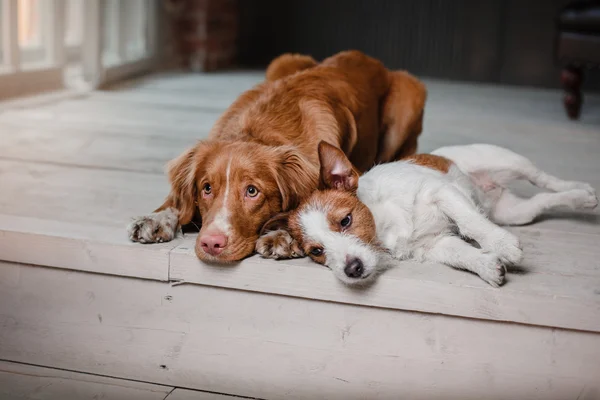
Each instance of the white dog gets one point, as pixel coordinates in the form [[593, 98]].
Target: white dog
[[422, 208]]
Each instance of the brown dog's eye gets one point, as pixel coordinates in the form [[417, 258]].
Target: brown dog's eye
[[252, 191], [346, 221], [316, 251], [207, 188]]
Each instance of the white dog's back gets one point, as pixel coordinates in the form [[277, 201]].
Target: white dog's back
[[402, 198]]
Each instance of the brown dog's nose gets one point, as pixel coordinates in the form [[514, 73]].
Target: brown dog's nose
[[213, 243], [354, 268]]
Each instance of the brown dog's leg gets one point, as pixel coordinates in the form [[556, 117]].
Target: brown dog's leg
[[180, 206], [160, 226], [402, 119], [288, 64]]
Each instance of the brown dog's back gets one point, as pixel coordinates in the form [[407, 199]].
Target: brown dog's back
[[336, 101]]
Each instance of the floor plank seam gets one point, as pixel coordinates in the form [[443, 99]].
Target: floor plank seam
[[168, 394], [81, 166], [83, 372], [169, 254], [173, 388]]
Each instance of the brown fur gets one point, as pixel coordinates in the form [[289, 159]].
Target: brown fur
[[283, 245], [288, 64], [404, 128], [431, 161], [272, 131]]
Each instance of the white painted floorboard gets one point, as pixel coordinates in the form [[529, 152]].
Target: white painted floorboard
[[183, 394], [26, 382], [281, 347]]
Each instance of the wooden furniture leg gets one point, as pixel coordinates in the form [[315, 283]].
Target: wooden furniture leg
[[571, 78]]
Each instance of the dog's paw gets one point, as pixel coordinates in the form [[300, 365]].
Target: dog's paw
[[154, 228], [277, 245], [492, 271], [505, 245], [583, 186], [581, 199]]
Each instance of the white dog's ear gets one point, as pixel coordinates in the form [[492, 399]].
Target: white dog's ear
[[337, 171]]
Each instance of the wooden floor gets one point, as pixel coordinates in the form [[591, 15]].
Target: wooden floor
[[22, 381], [74, 170]]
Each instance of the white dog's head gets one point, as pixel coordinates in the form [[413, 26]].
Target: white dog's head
[[332, 226]]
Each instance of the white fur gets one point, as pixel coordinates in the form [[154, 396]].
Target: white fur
[[221, 222], [418, 211]]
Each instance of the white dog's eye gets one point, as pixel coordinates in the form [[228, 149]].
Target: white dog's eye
[[316, 251], [346, 221]]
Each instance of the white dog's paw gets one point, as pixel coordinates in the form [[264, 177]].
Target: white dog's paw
[[277, 245], [505, 245], [578, 199], [492, 271], [154, 228], [583, 186]]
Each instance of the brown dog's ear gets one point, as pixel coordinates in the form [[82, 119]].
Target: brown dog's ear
[[296, 178], [279, 221], [337, 171], [183, 172]]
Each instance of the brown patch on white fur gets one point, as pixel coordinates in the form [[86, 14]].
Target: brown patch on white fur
[[439, 163]]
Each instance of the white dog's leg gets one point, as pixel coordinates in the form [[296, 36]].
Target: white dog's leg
[[504, 166], [515, 166], [157, 227], [474, 225], [546, 181], [455, 252], [511, 209]]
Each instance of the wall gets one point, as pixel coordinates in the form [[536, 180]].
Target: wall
[[501, 41], [200, 34]]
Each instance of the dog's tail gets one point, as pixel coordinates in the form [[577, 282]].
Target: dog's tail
[[288, 64]]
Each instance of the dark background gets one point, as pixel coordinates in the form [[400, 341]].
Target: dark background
[[496, 41]]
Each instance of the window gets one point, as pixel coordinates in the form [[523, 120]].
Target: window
[[44, 41]]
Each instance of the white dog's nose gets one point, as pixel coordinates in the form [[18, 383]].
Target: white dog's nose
[[354, 268]]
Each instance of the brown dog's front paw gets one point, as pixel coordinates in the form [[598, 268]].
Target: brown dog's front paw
[[154, 228], [278, 245]]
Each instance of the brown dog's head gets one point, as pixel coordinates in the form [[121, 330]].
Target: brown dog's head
[[236, 187]]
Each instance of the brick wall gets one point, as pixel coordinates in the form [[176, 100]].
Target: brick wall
[[204, 32]]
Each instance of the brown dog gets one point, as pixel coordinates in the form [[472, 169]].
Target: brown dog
[[261, 156]]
